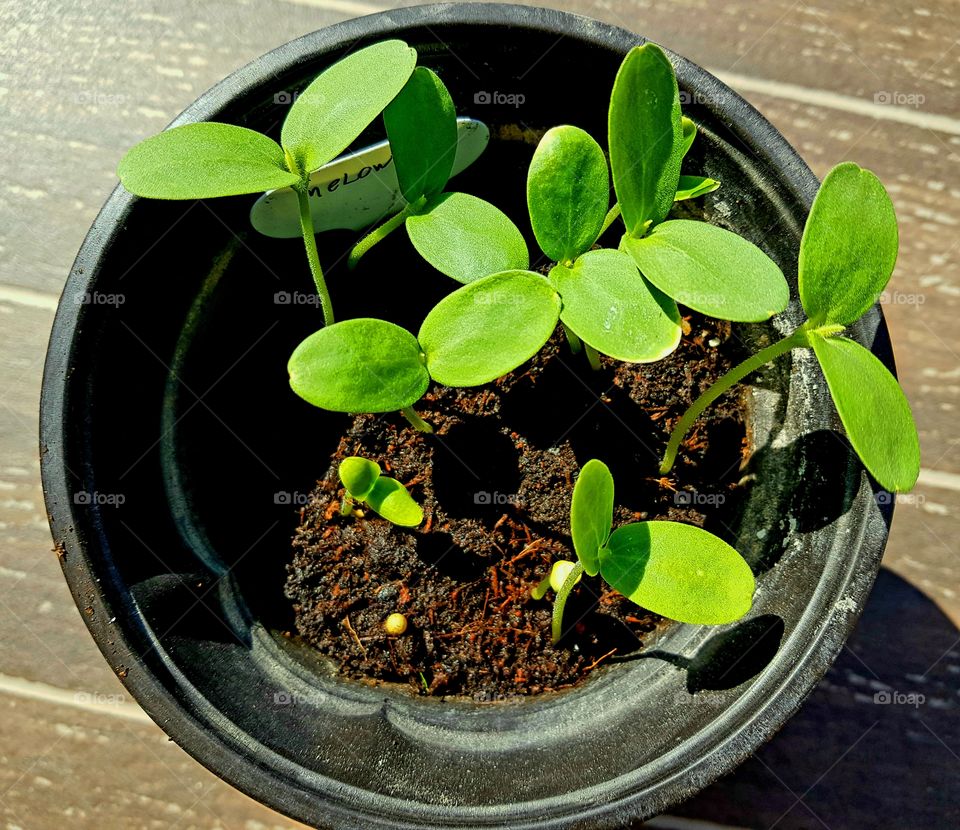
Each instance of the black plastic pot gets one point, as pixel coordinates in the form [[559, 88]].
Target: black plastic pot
[[173, 454]]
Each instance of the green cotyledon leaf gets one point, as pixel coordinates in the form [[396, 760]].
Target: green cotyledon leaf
[[202, 161], [849, 246], [591, 513], [678, 571], [874, 411]]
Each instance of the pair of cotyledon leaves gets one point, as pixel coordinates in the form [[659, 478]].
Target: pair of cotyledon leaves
[[209, 159], [676, 570], [606, 302], [365, 482]]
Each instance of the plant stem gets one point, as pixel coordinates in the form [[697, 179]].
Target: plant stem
[[346, 506], [310, 242], [542, 587], [576, 344], [610, 218], [378, 233], [592, 357], [561, 600], [415, 420], [734, 376]]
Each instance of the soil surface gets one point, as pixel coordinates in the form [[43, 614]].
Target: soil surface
[[495, 482]]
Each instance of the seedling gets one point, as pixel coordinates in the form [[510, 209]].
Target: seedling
[[210, 159], [706, 268], [363, 482], [675, 570], [472, 336], [847, 255], [460, 235]]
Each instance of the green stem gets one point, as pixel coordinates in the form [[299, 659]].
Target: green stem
[[542, 587], [560, 600], [592, 357], [576, 344], [378, 233], [610, 218], [416, 421], [346, 506], [310, 242], [734, 376]]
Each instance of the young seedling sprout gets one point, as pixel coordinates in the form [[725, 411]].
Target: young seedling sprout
[[847, 255], [364, 483], [675, 570], [209, 159], [460, 235], [474, 335], [706, 268]]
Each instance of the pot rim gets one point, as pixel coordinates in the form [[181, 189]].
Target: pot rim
[[214, 741]]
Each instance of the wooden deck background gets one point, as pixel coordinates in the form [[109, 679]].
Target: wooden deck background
[[875, 82]]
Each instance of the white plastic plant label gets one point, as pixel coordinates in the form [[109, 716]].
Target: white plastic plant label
[[356, 190]]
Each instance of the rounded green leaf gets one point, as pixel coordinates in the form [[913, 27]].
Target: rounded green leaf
[[421, 125], [874, 411], [362, 365], [568, 192], [489, 327], [679, 571], [645, 137], [610, 306], [710, 270], [391, 500], [202, 161], [466, 238], [690, 187], [849, 246], [343, 100], [591, 513], [358, 475]]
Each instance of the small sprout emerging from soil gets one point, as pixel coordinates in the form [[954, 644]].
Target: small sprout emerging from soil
[[395, 624], [558, 575], [678, 571], [460, 235], [847, 255], [364, 483], [208, 159], [472, 336]]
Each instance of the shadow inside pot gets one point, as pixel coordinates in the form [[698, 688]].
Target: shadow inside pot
[[876, 744]]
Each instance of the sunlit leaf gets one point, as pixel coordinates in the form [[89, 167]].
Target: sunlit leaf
[[421, 125], [645, 136], [690, 187], [678, 571], [362, 365], [689, 133], [466, 238], [591, 513], [610, 306], [204, 160], [710, 270], [391, 500], [568, 192], [874, 411], [343, 100], [358, 475], [489, 327], [849, 246]]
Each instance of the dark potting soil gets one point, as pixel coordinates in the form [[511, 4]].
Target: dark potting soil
[[495, 482]]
